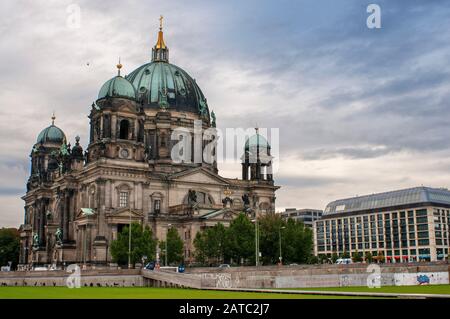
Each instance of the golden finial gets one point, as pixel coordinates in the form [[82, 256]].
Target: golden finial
[[160, 43], [119, 66], [53, 118]]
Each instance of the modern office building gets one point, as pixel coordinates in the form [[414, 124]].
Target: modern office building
[[307, 216], [404, 225]]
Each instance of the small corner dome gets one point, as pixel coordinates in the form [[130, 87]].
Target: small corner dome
[[51, 134], [256, 140], [117, 87]]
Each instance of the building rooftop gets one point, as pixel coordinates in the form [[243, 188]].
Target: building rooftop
[[401, 197]]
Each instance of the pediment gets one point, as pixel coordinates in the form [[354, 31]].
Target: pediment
[[86, 212], [199, 175], [125, 212], [221, 214]]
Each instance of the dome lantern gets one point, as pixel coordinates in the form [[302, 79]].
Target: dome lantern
[[160, 52], [51, 134], [118, 86]]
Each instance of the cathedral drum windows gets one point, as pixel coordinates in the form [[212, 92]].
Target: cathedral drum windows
[[157, 206], [124, 128]]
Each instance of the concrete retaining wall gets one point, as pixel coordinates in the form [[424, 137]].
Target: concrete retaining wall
[[304, 276], [307, 276], [99, 278]]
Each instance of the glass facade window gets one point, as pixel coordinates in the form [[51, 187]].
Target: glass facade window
[[421, 220], [421, 212]]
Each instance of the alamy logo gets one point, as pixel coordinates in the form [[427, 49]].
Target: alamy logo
[[74, 16], [213, 145], [374, 19], [374, 279], [74, 279]]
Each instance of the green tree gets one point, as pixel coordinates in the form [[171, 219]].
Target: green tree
[[346, 254], [357, 257], [142, 244], [296, 242], [211, 244], [270, 226], [323, 258], [334, 257], [9, 246], [369, 257], [240, 238], [380, 257], [313, 260], [174, 247], [217, 243], [200, 244]]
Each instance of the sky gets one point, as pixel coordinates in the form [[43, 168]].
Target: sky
[[359, 110]]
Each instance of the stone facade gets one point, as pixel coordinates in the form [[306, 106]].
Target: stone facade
[[78, 201]]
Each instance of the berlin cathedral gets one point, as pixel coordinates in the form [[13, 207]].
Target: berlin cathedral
[[77, 201]]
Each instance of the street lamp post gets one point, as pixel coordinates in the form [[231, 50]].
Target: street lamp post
[[168, 226], [279, 236], [256, 241], [129, 243], [363, 243]]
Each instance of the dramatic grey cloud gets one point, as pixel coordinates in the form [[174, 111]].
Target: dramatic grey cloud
[[359, 110]]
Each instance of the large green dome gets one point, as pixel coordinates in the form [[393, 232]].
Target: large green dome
[[161, 84], [117, 87], [256, 140], [51, 134]]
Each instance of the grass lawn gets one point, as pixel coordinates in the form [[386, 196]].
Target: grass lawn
[[426, 289], [139, 293]]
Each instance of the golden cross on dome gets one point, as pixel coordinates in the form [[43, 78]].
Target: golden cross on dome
[[119, 66], [160, 22]]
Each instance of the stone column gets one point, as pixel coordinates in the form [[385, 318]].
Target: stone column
[[41, 223], [101, 183], [66, 215]]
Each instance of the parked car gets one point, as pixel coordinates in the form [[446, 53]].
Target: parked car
[[224, 266], [344, 261], [150, 265], [40, 269]]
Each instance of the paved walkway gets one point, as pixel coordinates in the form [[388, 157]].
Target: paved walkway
[[339, 293]]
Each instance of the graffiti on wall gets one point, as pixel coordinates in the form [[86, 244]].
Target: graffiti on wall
[[429, 278]]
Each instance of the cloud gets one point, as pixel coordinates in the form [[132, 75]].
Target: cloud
[[353, 105]]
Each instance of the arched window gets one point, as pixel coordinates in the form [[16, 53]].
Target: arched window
[[123, 129], [201, 198]]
